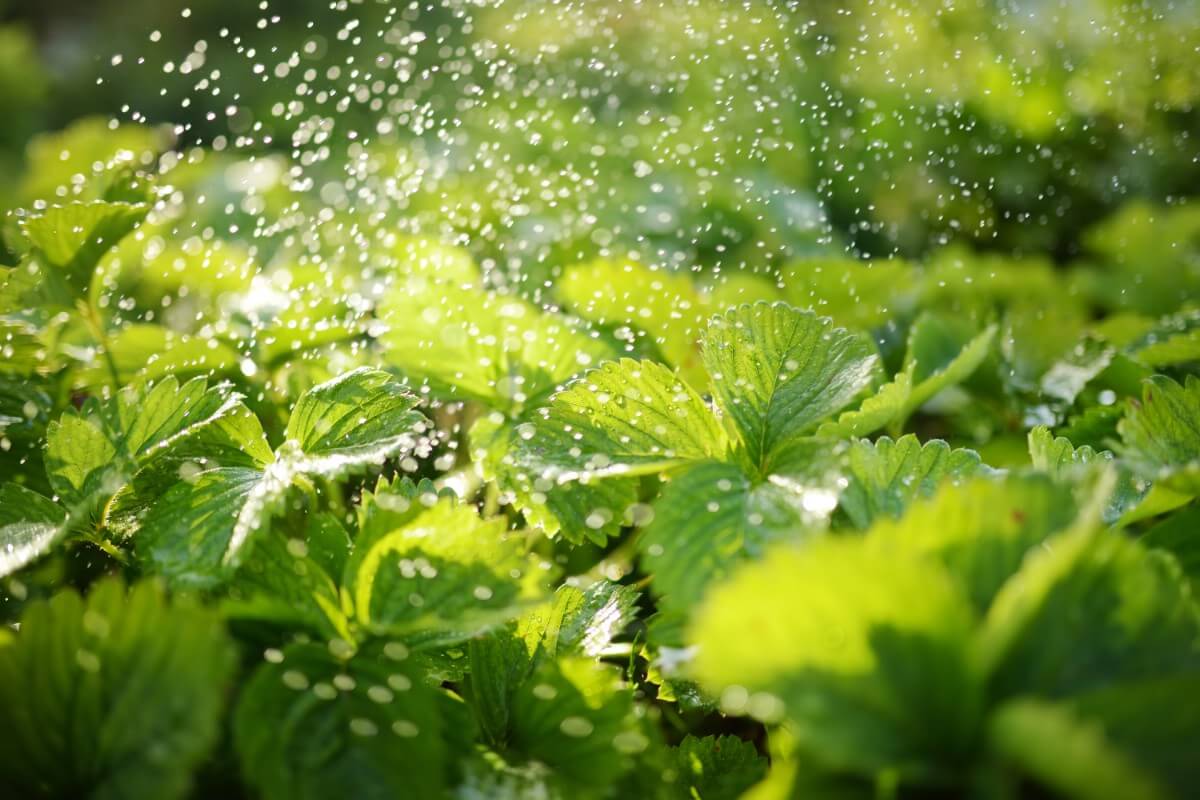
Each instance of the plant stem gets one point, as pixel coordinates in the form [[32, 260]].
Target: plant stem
[[91, 316]]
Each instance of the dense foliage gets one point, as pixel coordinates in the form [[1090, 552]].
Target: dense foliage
[[362, 487]]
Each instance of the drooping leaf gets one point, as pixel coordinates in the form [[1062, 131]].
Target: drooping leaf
[[875, 413], [115, 696], [886, 476], [367, 727], [779, 372], [938, 357]]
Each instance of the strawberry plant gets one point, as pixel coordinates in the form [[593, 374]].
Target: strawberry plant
[[641, 489]]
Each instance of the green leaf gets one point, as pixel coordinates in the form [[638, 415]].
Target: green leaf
[[79, 453], [194, 534], [114, 697], [29, 526], [712, 517], [1057, 457], [1092, 610], [662, 304], [360, 418], [878, 678], [71, 239], [571, 715], [309, 725], [624, 418], [446, 571], [290, 578], [578, 511], [981, 530], [1071, 755], [146, 352], [778, 372], [472, 344], [1179, 535], [876, 412], [938, 357], [579, 621], [886, 476], [1161, 434], [716, 767]]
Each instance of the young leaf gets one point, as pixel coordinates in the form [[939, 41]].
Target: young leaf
[[938, 358], [118, 695], [1062, 461], [876, 412], [778, 372], [368, 727], [886, 476]]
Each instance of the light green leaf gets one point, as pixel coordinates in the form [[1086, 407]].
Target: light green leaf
[[473, 344], [29, 526], [778, 372], [664, 305], [114, 697], [624, 418], [1050, 743], [360, 418], [447, 571], [871, 679], [146, 352], [876, 412], [981, 530], [886, 476], [1161, 434], [69, 240], [1092, 610], [1071, 373], [79, 454], [365, 728]]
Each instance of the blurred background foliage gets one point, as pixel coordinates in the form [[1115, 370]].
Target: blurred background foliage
[[725, 135]]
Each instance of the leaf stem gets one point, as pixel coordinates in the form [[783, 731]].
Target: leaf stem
[[91, 316]]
